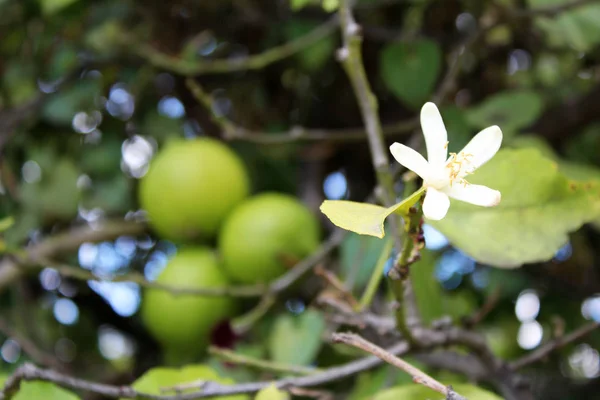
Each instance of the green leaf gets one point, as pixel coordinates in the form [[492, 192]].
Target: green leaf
[[364, 218], [299, 4], [576, 28], [272, 393], [62, 106], [50, 7], [40, 391], [511, 110], [6, 223], [410, 70], [296, 339], [316, 55], [419, 392], [539, 207], [433, 300], [155, 380]]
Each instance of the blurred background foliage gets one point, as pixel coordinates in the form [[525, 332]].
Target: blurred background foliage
[[90, 91]]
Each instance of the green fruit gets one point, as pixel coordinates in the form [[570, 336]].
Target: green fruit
[[263, 232], [182, 323], [191, 187]]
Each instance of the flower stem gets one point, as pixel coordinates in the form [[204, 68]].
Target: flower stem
[[376, 276]]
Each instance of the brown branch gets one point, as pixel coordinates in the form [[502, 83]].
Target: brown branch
[[35, 259], [29, 347], [225, 66], [417, 375], [65, 242], [554, 345], [29, 372], [232, 131]]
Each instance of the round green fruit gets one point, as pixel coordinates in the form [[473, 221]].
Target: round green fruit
[[190, 188], [262, 233], [183, 323]]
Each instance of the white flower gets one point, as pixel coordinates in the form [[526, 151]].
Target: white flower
[[444, 176]]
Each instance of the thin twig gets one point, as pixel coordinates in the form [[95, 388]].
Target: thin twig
[[264, 365], [553, 345], [29, 372], [333, 281], [417, 375], [225, 66], [35, 258], [232, 131], [66, 242], [29, 347], [549, 11]]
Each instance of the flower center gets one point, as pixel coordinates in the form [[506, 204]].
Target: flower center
[[458, 166]]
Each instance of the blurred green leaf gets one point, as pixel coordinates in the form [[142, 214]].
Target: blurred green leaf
[[50, 7], [103, 159], [457, 126], [157, 379], [57, 194], [370, 383], [510, 110], [315, 56], [410, 70], [40, 391], [577, 28], [297, 339], [433, 300], [62, 107], [112, 196], [420, 392], [18, 80], [272, 393], [6, 223], [358, 256], [584, 146], [539, 207], [299, 4]]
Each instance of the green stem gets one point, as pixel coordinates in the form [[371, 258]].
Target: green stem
[[376, 277], [240, 359], [254, 62], [243, 323], [351, 57]]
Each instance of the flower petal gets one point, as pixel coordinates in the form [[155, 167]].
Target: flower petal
[[436, 137], [475, 194], [483, 146], [410, 159], [436, 204]]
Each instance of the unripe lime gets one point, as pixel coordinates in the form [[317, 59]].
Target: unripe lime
[[191, 187], [264, 231], [182, 323]]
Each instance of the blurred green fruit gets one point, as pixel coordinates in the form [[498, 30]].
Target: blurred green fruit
[[191, 187], [182, 323], [262, 233]]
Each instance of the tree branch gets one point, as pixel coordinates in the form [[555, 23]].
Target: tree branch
[[232, 131], [417, 375], [29, 347], [29, 372], [350, 56], [254, 62], [553, 345], [66, 242], [35, 258]]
